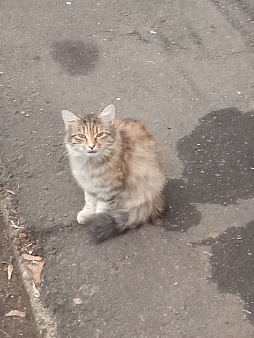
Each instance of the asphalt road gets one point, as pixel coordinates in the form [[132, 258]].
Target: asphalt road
[[185, 68]]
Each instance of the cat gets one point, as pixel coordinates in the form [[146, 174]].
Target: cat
[[117, 164]]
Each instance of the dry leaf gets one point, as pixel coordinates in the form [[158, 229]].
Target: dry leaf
[[36, 270], [36, 291], [15, 313], [9, 271], [31, 257], [22, 235]]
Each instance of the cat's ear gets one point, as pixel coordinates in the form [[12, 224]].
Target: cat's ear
[[69, 117], [108, 114]]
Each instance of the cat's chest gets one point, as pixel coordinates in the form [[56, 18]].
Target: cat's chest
[[91, 178]]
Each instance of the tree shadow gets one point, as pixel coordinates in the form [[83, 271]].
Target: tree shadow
[[218, 158], [232, 263]]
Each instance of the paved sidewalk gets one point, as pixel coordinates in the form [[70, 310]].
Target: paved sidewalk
[[186, 70]]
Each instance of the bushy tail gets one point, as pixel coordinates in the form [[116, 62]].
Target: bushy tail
[[106, 225]]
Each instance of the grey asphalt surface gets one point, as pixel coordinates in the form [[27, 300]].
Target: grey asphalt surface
[[185, 68]]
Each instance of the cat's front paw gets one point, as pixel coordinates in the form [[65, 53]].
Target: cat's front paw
[[82, 216]]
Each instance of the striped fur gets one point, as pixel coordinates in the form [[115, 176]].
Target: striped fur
[[116, 162]]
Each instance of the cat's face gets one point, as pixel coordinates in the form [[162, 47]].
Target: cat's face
[[91, 135]]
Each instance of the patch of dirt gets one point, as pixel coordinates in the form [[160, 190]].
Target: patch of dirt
[[12, 295]]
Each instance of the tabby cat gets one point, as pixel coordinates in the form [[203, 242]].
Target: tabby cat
[[116, 162]]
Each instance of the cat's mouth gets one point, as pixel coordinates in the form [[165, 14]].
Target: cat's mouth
[[92, 152]]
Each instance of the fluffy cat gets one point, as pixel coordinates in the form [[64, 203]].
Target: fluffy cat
[[117, 164]]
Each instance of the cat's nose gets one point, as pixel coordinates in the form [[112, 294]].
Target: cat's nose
[[91, 147]]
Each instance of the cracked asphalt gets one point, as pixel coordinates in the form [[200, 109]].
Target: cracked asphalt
[[185, 68]]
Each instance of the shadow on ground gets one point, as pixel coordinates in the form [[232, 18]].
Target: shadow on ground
[[232, 263], [218, 158]]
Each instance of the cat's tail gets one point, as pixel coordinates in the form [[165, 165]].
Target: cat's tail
[[106, 225]]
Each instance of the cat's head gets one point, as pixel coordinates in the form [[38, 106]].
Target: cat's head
[[90, 135]]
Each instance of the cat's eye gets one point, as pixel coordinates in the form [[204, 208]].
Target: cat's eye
[[79, 137], [101, 135]]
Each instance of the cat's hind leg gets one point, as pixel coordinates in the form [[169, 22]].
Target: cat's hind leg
[[89, 208]]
